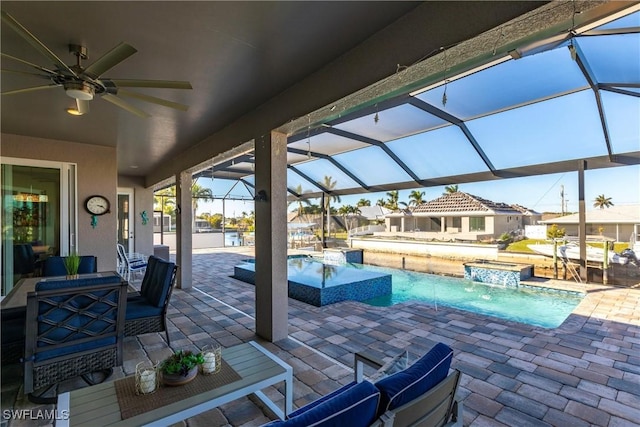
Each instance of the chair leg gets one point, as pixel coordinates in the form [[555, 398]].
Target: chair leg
[[106, 373], [41, 399]]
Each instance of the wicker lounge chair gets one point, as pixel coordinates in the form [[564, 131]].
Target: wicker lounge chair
[[147, 312], [73, 328]]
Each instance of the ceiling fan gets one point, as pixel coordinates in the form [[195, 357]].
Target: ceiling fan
[[83, 84]]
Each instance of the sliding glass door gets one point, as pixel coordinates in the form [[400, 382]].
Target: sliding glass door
[[38, 215]]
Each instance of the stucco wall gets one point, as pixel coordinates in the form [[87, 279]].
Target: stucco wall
[[96, 174]]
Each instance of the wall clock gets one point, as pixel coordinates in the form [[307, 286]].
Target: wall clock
[[97, 205]]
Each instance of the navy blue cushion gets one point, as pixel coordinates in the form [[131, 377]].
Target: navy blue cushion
[[157, 287], [138, 308], [424, 374], [351, 406], [147, 279], [88, 264], [54, 266]]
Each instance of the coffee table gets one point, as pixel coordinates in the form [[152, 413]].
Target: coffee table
[[257, 367]]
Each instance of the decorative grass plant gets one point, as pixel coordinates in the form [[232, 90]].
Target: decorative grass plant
[[72, 263]]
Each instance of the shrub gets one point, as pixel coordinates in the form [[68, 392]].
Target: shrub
[[554, 232]]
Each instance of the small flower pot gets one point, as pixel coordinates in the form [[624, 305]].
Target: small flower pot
[[177, 379]]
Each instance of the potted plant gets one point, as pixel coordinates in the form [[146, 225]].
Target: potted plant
[[71, 264], [181, 367]]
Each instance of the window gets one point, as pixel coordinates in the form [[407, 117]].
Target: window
[[476, 224], [457, 222]]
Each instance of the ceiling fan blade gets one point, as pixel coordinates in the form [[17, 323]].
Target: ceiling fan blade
[[29, 89], [82, 106], [161, 84], [109, 60], [153, 99], [25, 73], [122, 104], [33, 41], [28, 63]]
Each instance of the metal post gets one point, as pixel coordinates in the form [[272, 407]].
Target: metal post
[[582, 218]]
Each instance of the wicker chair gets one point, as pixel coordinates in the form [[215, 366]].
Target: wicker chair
[[147, 312], [73, 328]]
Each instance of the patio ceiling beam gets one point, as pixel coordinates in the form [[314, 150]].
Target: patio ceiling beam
[[333, 162], [236, 170], [379, 144], [585, 69], [424, 106], [616, 89], [308, 178]]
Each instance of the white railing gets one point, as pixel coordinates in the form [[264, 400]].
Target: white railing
[[367, 229]]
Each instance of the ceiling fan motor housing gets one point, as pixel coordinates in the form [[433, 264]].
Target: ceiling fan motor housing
[[79, 90]]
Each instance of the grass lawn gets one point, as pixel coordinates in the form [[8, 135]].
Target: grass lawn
[[521, 246]]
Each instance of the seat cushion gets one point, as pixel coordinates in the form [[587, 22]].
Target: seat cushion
[[138, 307], [424, 374], [353, 405]]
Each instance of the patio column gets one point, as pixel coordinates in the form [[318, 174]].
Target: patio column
[[272, 305], [184, 257], [582, 219]]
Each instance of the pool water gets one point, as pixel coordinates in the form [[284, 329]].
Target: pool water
[[536, 306]]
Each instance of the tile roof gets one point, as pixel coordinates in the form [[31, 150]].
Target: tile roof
[[622, 214], [464, 202]]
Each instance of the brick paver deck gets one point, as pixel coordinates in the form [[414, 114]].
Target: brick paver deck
[[586, 372]]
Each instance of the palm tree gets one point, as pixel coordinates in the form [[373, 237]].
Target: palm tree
[[348, 211], [199, 192], [392, 203], [416, 198], [363, 202], [451, 189], [329, 184], [602, 202], [299, 201], [381, 202]]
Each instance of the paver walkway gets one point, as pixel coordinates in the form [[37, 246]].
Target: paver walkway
[[586, 372]]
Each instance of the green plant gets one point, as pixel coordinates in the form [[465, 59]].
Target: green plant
[[181, 362], [554, 232], [71, 263], [504, 237]]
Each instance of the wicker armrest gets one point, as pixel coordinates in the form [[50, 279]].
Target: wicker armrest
[[362, 358]]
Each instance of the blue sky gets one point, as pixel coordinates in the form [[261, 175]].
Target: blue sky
[[541, 193]]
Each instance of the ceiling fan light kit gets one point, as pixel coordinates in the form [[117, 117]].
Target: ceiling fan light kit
[[84, 84]]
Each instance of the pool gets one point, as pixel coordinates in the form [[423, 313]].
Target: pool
[[320, 284], [533, 305]]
